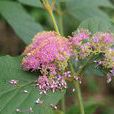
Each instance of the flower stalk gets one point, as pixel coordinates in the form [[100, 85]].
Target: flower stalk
[[78, 91], [49, 9], [77, 86]]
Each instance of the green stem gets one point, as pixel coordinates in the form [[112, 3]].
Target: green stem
[[63, 105], [61, 23], [49, 9], [60, 20], [54, 21], [77, 86]]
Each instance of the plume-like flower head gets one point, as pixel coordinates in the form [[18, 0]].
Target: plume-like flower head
[[46, 48], [49, 53]]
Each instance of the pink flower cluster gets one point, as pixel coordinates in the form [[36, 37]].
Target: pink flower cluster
[[46, 48], [48, 53]]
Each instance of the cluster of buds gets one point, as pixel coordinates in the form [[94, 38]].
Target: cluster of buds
[[44, 83]]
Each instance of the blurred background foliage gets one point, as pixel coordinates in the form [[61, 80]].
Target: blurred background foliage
[[20, 20]]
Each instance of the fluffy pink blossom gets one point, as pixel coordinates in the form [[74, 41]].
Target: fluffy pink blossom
[[47, 53], [46, 48], [30, 63]]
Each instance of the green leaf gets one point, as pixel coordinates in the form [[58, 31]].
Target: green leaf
[[22, 23], [87, 3], [89, 109], [58, 112], [35, 3], [83, 13], [96, 24], [13, 97], [83, 9], [107, 110], [92, 70]]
